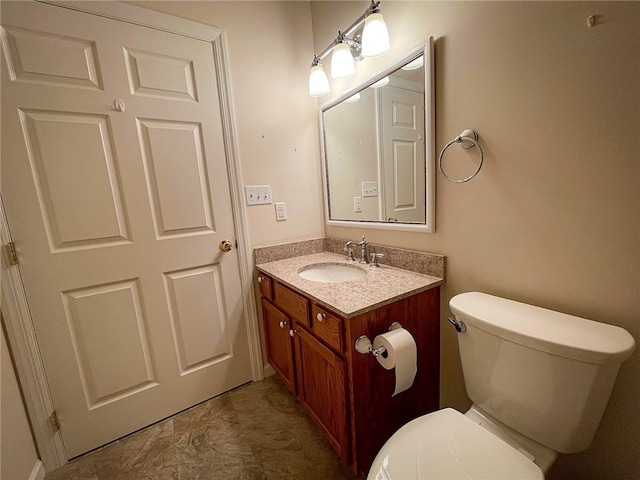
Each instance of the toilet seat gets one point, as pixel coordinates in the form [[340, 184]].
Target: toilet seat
[[447, 445]]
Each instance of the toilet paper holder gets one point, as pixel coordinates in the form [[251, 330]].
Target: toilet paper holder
[[363, 343]]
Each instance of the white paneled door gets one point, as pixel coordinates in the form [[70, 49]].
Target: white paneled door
[[116, 188], [403, 155]]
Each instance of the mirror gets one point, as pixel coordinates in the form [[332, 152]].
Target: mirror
[[379, 149]]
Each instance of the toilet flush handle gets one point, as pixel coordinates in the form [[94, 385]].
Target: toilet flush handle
[[459, 324]]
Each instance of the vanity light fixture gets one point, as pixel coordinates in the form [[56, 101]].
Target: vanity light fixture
[[366, 37], [375, 36], [342, 63], [318, 81]]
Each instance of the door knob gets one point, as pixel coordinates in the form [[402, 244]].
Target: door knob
[[119, 105], [225, 245]]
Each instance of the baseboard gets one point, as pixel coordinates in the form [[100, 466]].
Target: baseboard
[[38, 471], [268, 370]]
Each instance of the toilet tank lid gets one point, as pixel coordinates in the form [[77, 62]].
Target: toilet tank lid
[[543, 329]]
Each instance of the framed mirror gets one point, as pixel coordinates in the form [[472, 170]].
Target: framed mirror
[[378, 148]]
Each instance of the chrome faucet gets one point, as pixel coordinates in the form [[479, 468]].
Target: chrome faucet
[[348, 247], [363, 250]]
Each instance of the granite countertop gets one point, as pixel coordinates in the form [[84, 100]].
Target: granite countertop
[[380, 286]]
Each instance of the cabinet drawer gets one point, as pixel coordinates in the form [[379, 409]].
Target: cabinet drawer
[[266, 286], [295, 305], [327, 327]]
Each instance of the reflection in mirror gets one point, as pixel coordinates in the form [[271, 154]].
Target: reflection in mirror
[[379, 147]]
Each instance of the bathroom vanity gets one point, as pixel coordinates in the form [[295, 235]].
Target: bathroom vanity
[[311, 328]]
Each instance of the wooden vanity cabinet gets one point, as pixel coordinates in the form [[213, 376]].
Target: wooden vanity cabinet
[[375, 413], [279, 343], [322, 389], [348, 394]]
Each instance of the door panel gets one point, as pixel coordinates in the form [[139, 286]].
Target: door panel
[[179, 191], [197, 312], [322, 389], [35, 56], [117, 209], [57, 160], [279, 343], [110, 341]]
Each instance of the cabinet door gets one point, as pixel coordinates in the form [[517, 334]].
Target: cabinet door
[[322, 377], [279, 343]]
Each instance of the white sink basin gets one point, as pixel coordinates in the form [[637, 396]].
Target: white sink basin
[[332, 272]]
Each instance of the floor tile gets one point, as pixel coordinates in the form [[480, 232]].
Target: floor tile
[[255, 432]]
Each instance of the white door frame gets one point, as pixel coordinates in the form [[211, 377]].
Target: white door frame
[[15, 310]]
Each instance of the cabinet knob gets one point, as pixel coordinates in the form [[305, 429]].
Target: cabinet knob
[[260, 279], [292, 332], [321, 317], [283, 324]]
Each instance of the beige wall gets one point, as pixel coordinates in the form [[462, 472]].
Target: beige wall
[[269, 53], [18, 457], [553, 218]]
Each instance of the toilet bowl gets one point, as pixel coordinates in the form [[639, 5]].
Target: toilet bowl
[[447, 445], [540, 381]]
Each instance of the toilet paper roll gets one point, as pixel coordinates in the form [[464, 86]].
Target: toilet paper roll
[[401, 354]]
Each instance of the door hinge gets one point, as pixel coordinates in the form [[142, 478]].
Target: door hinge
[[9, 250], [54, 422]]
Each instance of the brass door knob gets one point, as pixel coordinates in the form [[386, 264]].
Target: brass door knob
[[225, 245]]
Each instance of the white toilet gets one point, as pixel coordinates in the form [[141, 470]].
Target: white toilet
[[539, 381]]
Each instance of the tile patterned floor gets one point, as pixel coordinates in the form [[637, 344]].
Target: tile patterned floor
[[256, 432]]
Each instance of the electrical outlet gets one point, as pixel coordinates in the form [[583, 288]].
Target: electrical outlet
[[357, 204], [258, 194], [369, 189], [281, 211]]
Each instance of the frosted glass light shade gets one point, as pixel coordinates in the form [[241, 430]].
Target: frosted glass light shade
[[353, 98], [342, 64], [318, 82], [375, 36], [380, 83], [417, 63]]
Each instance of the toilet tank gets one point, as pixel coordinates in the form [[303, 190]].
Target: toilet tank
[[547, 375]]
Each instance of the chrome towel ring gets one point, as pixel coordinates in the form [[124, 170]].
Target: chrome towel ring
[[467, 139]]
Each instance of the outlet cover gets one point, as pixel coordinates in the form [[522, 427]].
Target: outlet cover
[[357, 204], [281, 211]]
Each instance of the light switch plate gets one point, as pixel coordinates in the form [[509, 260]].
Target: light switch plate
[[369, 189], [258, 194]]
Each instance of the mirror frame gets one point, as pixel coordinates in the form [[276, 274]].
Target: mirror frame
[[429, 226]]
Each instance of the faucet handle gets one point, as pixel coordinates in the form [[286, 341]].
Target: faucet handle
[[348, 247], [375, 257]]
